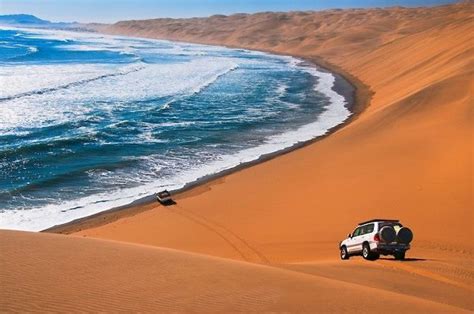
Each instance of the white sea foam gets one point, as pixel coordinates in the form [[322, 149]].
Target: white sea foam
[[60, 35], [102, 45], [166, 106], [281, 89], [82, 47], [138, 82], [173, 124], [21, 79]]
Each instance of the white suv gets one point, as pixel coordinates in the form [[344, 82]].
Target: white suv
[[378, 236]]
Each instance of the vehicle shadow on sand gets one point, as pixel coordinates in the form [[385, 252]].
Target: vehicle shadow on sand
[[168, 203], [408, 259]]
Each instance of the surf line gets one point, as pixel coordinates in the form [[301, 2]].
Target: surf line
[[66, 86]]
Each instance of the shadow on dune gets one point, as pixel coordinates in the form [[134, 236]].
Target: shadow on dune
[[168, 203], [408, 259]]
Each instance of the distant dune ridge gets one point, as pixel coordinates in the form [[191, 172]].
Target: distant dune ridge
[[408, 155], [333, 34]]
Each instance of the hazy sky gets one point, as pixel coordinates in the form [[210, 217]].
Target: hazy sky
[[115, 10]]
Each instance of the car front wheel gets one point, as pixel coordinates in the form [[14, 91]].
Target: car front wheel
[[344, 253]]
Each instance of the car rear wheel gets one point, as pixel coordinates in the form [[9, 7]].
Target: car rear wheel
[[344, 253], [367, 254], [400, 255]]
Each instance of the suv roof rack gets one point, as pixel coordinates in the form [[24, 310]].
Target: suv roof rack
[[375, 220]]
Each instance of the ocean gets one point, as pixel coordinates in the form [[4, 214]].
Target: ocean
[[90, 122]]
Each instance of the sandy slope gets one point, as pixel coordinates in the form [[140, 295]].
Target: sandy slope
[[408, 156], [45, 272]]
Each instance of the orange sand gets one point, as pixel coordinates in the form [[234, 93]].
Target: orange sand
[[407, 156], [54, 273]]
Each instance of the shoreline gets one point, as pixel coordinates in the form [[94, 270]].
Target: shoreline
[[357, 98]]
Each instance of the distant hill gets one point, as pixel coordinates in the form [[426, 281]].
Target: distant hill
[[22, 19], [27, 20]]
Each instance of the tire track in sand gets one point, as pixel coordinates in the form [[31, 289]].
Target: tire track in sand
[[242, 247]]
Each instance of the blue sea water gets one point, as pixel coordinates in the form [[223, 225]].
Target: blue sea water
[[89, 122]]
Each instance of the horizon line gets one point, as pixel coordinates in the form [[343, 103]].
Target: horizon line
[[228, 14]]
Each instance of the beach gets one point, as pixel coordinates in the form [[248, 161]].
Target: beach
[[265, 237]]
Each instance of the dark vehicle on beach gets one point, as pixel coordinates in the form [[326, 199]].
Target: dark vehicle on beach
[[377, 237], [164, 197]]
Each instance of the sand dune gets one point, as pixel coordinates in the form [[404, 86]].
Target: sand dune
[[44, 272], [408, 155]]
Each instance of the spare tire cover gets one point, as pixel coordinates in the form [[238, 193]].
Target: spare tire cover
[[387, 234], [404, 235]]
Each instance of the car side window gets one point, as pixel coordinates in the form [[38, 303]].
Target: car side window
[[369, 228], [357, 232]]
